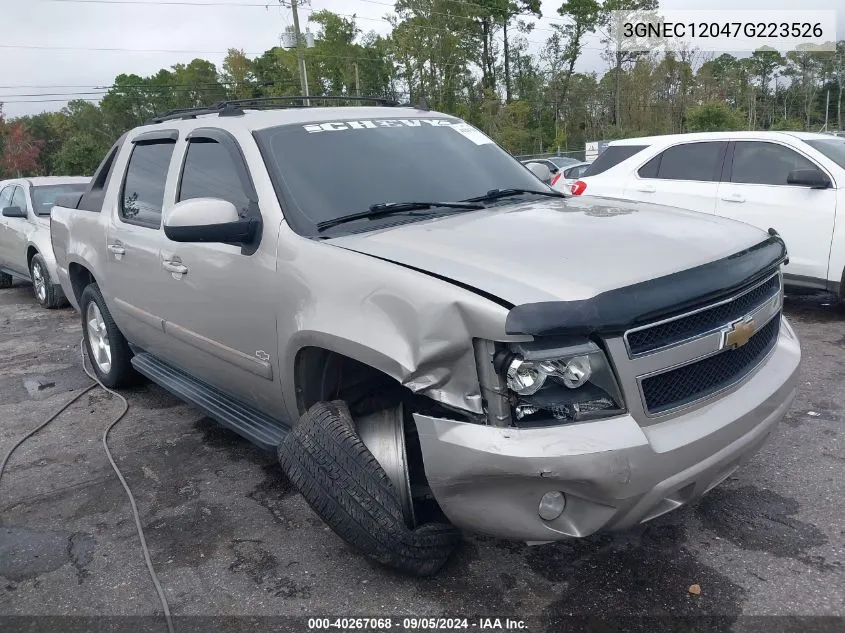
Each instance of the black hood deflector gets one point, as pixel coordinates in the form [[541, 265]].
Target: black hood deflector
[[617, 310]]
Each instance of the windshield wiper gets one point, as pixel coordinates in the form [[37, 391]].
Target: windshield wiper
[[495, 194], [388, 208]]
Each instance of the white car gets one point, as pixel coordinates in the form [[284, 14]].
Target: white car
[[792, 182], [568, 176]]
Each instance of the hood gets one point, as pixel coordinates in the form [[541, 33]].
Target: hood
[[558, 250]]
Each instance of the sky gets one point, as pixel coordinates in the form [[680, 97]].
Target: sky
[[46, 56]]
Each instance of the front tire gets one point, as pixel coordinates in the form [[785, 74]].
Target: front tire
[[107, 348], [347, 487], [47, 294]]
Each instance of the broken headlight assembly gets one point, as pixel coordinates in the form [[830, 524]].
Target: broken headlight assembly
[[570, 383]]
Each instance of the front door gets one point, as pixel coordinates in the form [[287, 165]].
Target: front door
[[13, 232], [755, 191], [219, 300], [5, 229]]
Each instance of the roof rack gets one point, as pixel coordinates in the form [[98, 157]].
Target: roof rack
[[236, 107]]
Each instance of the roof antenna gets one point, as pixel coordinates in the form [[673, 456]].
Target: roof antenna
[[422, 105]]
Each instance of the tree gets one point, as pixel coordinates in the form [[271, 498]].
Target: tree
[[585, 16], [20, 151], [237, 75], [618, 56], [513, 9], [764, 63], [712, 117]]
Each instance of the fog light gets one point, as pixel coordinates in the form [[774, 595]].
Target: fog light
[[551, 505]]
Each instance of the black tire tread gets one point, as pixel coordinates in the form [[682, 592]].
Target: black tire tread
[[6, 280], [55, 297], [347, 487], [122, 373]]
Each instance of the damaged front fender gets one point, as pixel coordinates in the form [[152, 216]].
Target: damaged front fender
[[415, 328]]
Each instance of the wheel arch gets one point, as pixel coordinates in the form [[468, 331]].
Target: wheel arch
[[80, 276], [31, 252], [318, 370]]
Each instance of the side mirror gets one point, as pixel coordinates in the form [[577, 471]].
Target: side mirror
[[208, 220], [541, 171], [812, 178], [14, 212]]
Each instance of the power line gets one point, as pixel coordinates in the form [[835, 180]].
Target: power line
[[116, 49], [268, 4]]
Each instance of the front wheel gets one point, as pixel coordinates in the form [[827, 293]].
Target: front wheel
[[48, 294], [343, 482], [107, 348]]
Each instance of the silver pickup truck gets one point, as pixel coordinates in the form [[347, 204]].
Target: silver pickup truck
[[430, 337]]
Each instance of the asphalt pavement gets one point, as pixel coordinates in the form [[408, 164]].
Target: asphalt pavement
[[229, 536]]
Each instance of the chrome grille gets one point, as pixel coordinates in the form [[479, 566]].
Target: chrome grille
[[650, 338], [697, 380]]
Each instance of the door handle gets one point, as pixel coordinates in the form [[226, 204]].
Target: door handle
[[734, 197], [646, 188], [116, 249], [174, 266]]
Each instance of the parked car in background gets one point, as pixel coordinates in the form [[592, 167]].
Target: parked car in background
[[438, 341], [567, 177], [25, 249], [554, 163], [792, 182]]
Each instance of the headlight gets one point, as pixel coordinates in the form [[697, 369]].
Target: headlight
[[571, 383], [526, 377]]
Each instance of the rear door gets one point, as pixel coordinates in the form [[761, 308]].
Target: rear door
[[754, 190], [134, 240], [603, 178], [219, 300], [684, 176]]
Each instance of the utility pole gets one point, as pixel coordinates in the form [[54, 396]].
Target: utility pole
[[357, 81], [303, 73], [826, 110]]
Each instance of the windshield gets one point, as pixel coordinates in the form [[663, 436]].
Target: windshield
[[333, 169], [563, 161], [44, 196], [833, 148]]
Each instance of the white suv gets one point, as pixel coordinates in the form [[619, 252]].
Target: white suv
[[791, 182]]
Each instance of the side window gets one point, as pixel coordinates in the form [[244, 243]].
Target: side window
[[761, 163], [574, 172], [19, 199], [210, 172], [701, 162], [6, 196], [611, 157], [650, 169], [143, 187]]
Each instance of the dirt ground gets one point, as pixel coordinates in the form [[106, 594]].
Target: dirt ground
[[229, 536]]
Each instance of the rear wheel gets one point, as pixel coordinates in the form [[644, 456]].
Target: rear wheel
[[6, 281], [368, 506], [107, 348], [48, 295]]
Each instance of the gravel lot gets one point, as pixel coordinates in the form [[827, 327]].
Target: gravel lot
[[228, 536]]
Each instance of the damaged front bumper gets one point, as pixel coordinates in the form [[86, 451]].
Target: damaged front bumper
[[614, 473]]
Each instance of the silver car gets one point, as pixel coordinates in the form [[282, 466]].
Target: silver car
[[434, 341], [25, 250]]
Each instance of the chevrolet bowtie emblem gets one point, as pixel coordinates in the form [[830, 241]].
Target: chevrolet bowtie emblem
[[738, 333]]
